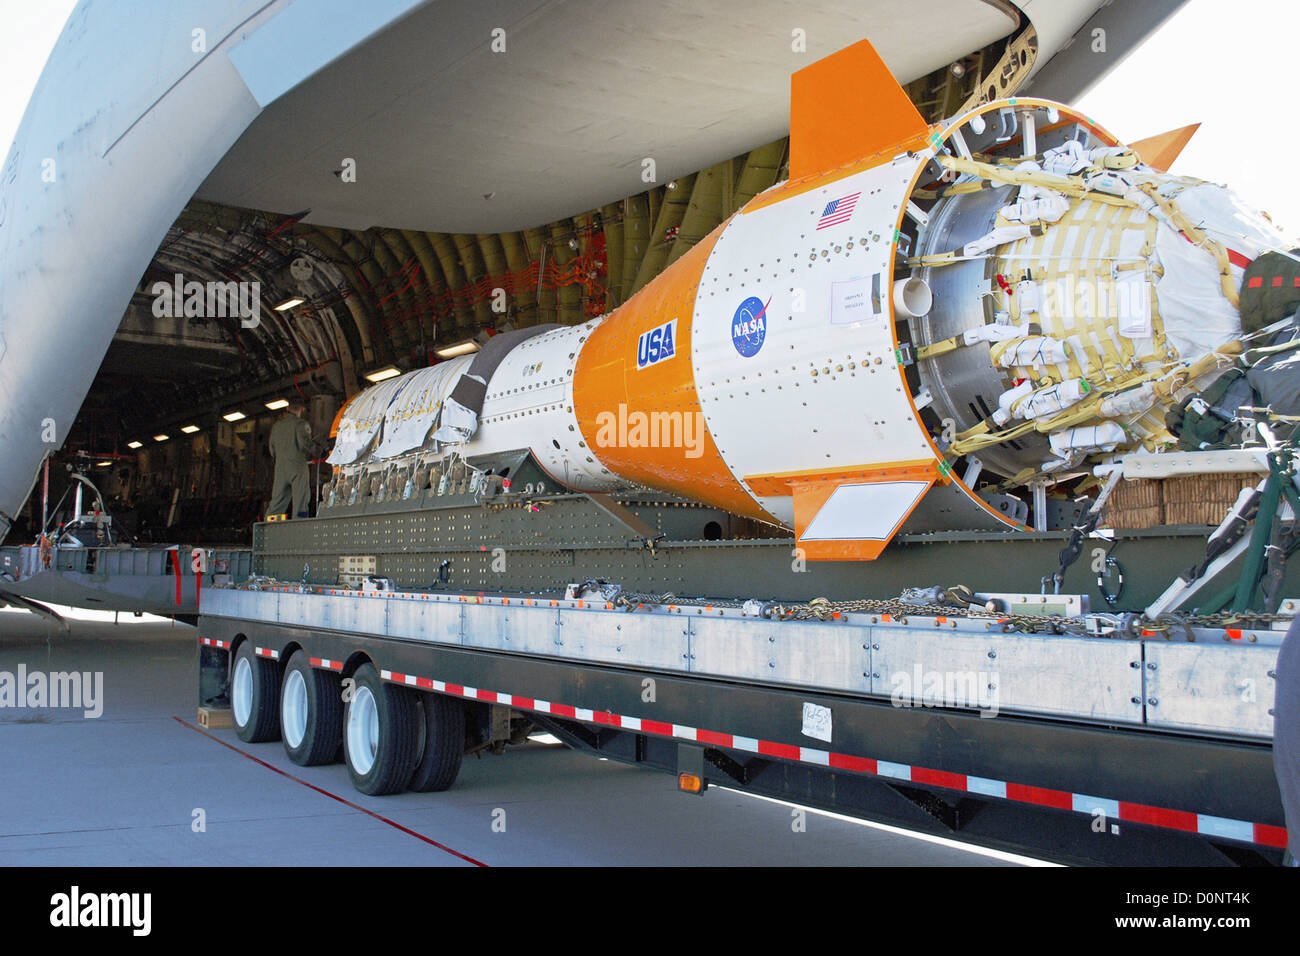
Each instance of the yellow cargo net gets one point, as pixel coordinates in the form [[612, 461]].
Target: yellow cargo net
[[1094, 272], [1084, 268]]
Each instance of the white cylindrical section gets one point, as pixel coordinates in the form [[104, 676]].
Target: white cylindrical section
[[529, 404], [1055, 398], [1007, 401], [1135, 401], [1088, 439], [1035, 350], [821, 388], [912, 298]]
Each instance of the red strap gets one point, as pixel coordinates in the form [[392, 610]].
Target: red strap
[[1237, 259], [176, 564]]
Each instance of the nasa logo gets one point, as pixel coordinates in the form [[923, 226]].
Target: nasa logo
[[657, 344], [749, 326]]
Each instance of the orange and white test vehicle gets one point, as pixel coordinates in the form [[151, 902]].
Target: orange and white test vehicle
[[923, 328]]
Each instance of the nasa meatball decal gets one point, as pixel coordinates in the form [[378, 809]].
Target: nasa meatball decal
[[749, 326]]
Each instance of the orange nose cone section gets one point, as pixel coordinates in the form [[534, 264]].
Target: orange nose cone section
[[634, 393]]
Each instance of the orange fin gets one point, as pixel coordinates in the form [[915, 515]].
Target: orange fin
[[845, 107], [1160, 151], [851, 515]]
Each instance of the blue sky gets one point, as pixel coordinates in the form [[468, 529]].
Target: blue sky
[[1231, 66]]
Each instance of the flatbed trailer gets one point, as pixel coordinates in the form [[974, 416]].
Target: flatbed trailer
[[1062, 736]]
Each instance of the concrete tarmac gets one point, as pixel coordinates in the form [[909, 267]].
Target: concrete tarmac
[[140, 785]]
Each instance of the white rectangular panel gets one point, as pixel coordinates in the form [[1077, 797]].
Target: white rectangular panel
[[867, 511]]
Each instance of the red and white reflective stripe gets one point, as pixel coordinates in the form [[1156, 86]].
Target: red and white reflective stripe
[[1120, 810], [267, 652], [213, 642], [326, 663]]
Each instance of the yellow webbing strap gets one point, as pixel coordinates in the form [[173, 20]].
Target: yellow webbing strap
[[1071, 186], [938, 259], [962, 189], [1180, 221], [942, 347], [1226, 354], [1089, 409], [983, 439], [1105, 246]]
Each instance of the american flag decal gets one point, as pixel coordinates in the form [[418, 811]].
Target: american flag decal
[[838, 211]]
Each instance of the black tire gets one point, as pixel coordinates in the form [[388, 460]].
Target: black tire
[[443, 743], [320, 694], [262, 722], [385, 764]]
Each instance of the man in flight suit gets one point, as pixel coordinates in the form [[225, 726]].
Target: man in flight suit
[[290, 446]]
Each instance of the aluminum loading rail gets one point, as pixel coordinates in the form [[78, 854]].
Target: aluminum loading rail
[[1081, 747]]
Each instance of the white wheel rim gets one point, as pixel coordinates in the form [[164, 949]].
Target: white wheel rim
[[293, 709], [242, 692], [363, 730]]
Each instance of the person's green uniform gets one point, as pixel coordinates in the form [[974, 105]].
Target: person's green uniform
[[290, 444]]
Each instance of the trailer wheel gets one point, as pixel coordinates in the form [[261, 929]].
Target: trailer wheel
[[311, 712], [441, 720], [379, 734], [255, 696]]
